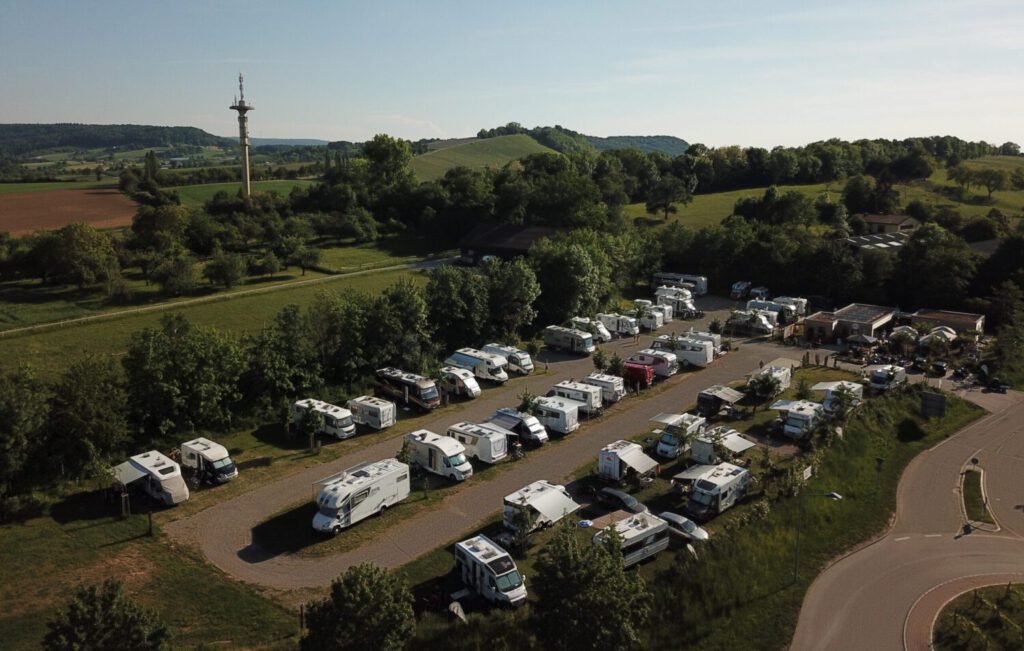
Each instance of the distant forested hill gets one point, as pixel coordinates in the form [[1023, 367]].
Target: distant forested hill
[[669, 145], [19, 139]]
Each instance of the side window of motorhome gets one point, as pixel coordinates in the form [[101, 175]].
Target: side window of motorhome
[[401, 478], [358, 498]]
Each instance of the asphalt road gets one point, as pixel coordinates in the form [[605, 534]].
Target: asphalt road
[[886, 595]]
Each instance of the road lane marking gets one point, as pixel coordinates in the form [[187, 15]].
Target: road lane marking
[[933, 535], [902, 538]]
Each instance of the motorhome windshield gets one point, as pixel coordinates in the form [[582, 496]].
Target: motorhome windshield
[[344, 421], [429, 393], [797, 420], [670, 439], [496, 370], [588, 341], [880, 377], [510, 581], [457, 460], [330, 512], [701, 497], [223, 463]]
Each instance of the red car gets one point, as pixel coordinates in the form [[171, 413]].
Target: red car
[[638, 373]]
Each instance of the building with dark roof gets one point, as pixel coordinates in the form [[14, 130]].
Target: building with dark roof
[[889, 223], [958, 321], [855, 318], [500, 240]]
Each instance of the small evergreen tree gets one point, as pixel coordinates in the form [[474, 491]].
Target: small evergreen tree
[[600, 359], [616, 365], [101, 618]]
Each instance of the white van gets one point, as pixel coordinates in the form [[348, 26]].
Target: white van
[[518, 360], [210, 461], [678, 434], [439, 454], [593, 326], [485, 441], [372, 411], [363, 490], [459, 382], [489, 571], [613, 388], [337, 420], [526, 427], [587, 394], [560, 415], [485, 366], [643, 535]]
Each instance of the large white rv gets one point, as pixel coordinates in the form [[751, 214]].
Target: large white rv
[[853, 390], [156, 474], [518, 360], [613, 387], [887, 376], [363, 490], [646, 315], [593, 326], [485, 441], [643, 535], [526, 427], [689, 352], [582, 392], [439, 454], [408, 388], [665, 364], [625, 326], [208, 460], [625, 461], [679, 431], [717, 490], [548, 503], [697, 284], [784, 374], [372, 411], [800, 417], [560, 415], [337, 420], [459, 382], [486, 366], [568, 339], [489, 571]]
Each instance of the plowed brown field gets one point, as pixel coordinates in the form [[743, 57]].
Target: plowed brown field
[[25, 212]]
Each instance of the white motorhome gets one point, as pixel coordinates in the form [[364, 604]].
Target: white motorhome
[[643, 535], [699, 284], [439, 454], [622, 461], [620, 324], [569, 339], [337, 420], [678, 433], [679, 293], [593, 326], [666, 309], [646, 316], [854, 390], [613, 388], [526, 427], [753, 321], [704, 449], [693, 352], [548, 503], [715, 339], [799, 305], [489, 571], [582, 392], [518, 360], [459, 382], [717, 490], [886, 376], [485, 441], [783, 374], [208, 460], [156, 474], [486, 366], [560, 415], [799, 416], [373, 411], [408, 388], [665, 364], [355, 494]]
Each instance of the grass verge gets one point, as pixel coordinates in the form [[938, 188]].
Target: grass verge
[[974, 498], [987, 619]]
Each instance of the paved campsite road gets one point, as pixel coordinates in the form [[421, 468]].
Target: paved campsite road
[[886, 595]]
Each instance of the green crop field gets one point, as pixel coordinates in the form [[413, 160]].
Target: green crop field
[[478, 154], [197, 195], [14, 188]]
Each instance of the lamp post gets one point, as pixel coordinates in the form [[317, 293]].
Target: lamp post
[[800, 524]]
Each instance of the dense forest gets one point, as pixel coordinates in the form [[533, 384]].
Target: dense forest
[[19, 139]]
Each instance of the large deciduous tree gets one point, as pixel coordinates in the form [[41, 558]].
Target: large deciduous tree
[[337, 324], [397, 332], [512, 288], [23, 410], [457, 306], [663, 197], [934, 269], [76, 254], [282, 361], [101, 618]]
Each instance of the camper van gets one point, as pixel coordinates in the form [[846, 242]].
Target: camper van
[[642, 535], [625, 461], [799, 305], [485, 366], [648, 318], [489, 571], [678, 293], [439, 454], [886, 377], [717, 490], [705, 446], [560, 415], [754, 322], [408, 388], [355, 494], [156, 474], [568, 339], [854, 390], [526, 427], [679, 430], [624, 326], [372, 411], [518, 360], [485, 441], [666, 309], [587, 394], [547, 502], [800, 417], [664, 363], [693, 352], [740, 290], [457, 381], [612, 387], [699, 335], [698, 284], [337, 420], [593, 326], [783, 374], [208, 460]]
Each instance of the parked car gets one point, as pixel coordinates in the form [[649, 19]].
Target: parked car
[[939, 369], [615, 499], [684, 527]]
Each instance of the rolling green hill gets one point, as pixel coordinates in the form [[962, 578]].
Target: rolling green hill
[[668, 145], [478, 154]]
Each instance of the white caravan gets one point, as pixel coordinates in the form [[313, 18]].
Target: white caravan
[[717, 490], [705, 445], [569, 339], [799, 305], [622, 461], [485, 441], [784, 310], [157, 474], [715, 339], [646, 316], [373, 411], [582, 392], [678, 293], [593, 326], [693, 352], [355, 494], [613, 388], [642, 535], [489, 571], [783, 374], [664, 363], [625, 326], [548, 503], [854, 390], [485, 366], [208, 460], [698, 283], [678, 433], [799, 416], [337, 420], [523, 425], [518, 360], [886, 377], [439, 454], [558, 414], [459, 382], [753, 321]]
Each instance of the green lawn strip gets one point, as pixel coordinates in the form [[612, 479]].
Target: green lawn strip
[[974, 499], [76, 542], [987, 618]]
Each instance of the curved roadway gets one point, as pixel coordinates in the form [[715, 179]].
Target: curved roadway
[[886, 595]]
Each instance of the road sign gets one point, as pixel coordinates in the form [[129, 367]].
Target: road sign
[[808, 471], [933, 404]]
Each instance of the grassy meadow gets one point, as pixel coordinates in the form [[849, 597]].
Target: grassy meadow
[[196, 195], [477, 154]]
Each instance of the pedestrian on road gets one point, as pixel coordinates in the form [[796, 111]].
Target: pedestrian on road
[[760, 364]]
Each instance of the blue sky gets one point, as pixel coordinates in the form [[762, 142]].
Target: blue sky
[[748, 73]]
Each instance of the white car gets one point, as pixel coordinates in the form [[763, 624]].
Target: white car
[[683, 526]]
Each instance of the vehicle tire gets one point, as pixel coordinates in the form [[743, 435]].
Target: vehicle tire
[[336, 530], [383, 507]]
